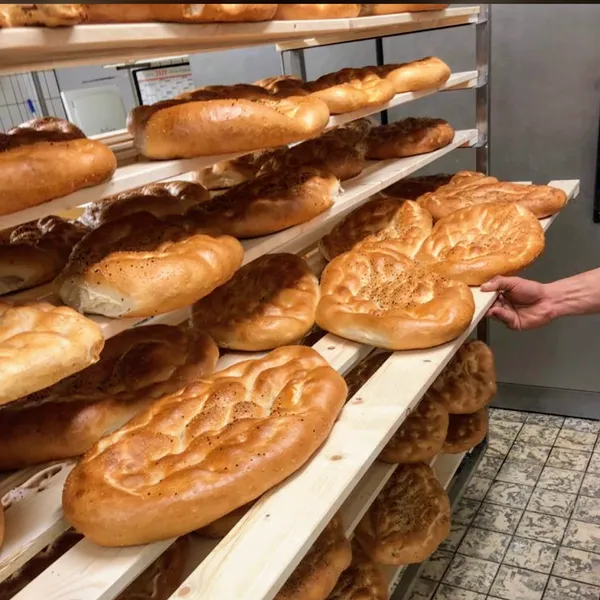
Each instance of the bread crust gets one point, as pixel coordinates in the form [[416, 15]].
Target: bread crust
[[221, 527], [369, 10], [466, 432], [140, 266], [424, 74], [412, 188], [379, 297], [234, 434], [476, 243], [41, 344], [41, 15], [299, 12], [30, 153]]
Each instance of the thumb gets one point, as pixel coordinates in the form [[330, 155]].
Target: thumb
[[498, 284]]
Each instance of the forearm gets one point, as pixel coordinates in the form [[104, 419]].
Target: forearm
[[577, 295]]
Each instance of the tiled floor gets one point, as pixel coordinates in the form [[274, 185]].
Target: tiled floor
[[528, 526]]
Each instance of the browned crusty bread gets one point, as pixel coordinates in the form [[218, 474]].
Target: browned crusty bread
[[135, 368], [268, 303], [45, 15], [235, 434], [353, 132], [298, 12], [468, 383], [316, 575], [402, 224], [36, 252], [412, 188], [408, 137], [368, 10], [363, 371], [284, 85], [41, 344], [423, 74], [140, 265], [408, 520], [379, 297], [474, 244], [466, 432], [47, 158], [224, 119], [468, 188], [160, 199], [269, 203], [221, 527]]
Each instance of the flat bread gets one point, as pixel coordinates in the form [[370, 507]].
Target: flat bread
[[422, 434], [477, 243], [424, 74], [268, 303], [408, 137], [298, 12], [379, 297], [41, 15], [401, 223], [408, 520], [466, 432], [316, 575], [363, 371], [468, 383]]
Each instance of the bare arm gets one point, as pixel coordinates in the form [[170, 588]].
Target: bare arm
[[577, 295]]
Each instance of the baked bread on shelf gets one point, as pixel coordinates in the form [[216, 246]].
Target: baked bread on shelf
[[363, 371], [299, 12], [203, 122], [268, 204], [408, 137], [466, 432], [368, 10], [316, 575], [268, 303], [379, 297], [36, 252], [235, 434], [468, 383], [41, 15], [423, 74], [422, 434], [140, 266], [160, 199], [476, 243], [41, 344], [401, 223], [47, 158], [412, 188], [136, 367], [408, 520]]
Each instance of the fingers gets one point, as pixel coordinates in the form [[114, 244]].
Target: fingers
[[506, 315], [499, 284]]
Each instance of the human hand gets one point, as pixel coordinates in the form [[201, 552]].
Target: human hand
[[522, 304]]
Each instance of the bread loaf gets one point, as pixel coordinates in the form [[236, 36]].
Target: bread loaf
[[224, 119], [408, 520], [316, 575], [424, 74], [466, 432], [268, 303], [299, 12], [47, 158], [379, 297], [35, 253], [468, 383], [363, 371], [368, 10], [353, 132], [140, 266], [41, 15], [284, 85], [408, 137], [41, 344], [268, 204], [235, 434], [135, 368], [160, 199], [401, 223], [474, 244], [412, 188], [221, 527]]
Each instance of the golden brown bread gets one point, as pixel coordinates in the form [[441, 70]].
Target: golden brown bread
[[224, 119], [43, 15], [466, 432], [268, 204], [268, 303], [474, 244], [140, 265], [284, 85], [221, 527], [160, 199], [402, 224], [408, 137], [235, 434], [44, 159], [379, 297], [36, 252], [316, 575], [353, 132], [468, 383], [470, 188], [412, 188], [362, 580], [369, 10], [363, 371], [41, 344], [421, 436], [408, 520], [423, 74], [135, 368], [299, 12]]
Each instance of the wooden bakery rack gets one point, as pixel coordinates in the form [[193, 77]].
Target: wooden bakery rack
[[253, 561]]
